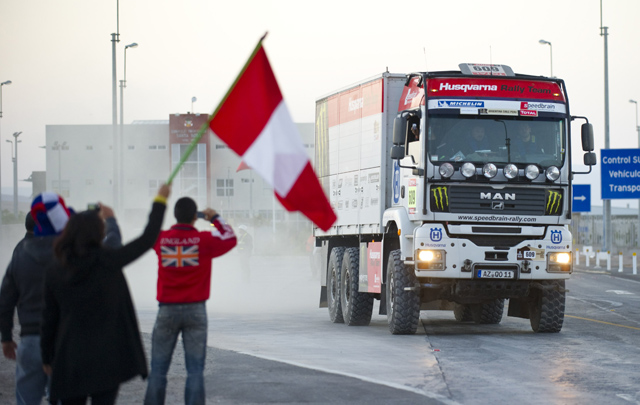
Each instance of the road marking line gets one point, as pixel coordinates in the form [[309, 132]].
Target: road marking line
[[606, 323], [620, 292]]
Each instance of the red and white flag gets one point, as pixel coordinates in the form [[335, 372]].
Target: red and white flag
[[253, 120]]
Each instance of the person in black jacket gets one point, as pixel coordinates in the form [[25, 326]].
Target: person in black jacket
[[90, 338], [22, 289]]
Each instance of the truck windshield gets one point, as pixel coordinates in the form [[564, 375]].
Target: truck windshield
[[497, 139]]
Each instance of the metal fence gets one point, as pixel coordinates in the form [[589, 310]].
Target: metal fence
[[587, 230]]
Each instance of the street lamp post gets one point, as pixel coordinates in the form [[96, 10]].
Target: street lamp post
[[114, 122], [14, 159], [8, 82], [638, 130], [543, 42], [606, 206], [5, 83], [193, 100], [123, 84]]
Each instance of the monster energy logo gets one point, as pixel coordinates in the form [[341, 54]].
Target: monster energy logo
[[439, 199], [554, 198]]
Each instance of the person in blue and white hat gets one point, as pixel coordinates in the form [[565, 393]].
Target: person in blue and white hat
[[22, 288]]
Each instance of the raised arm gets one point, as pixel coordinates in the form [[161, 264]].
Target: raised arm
[[136, 248]]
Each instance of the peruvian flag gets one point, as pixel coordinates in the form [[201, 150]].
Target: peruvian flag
[[254, 121]]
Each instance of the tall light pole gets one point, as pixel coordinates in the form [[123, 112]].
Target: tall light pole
[[114, 115], [638, 130], [5, 83], [543, 42], [14, 159], [607, 231], [8, 82], [123, 84], [193, 100]]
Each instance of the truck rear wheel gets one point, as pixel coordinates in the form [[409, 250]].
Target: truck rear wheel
[[488, 312], [356, 306], [547, 308], [333, 285], [462, 312], [403, 307]]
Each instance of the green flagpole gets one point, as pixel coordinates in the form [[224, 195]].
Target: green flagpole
[[204, 127]]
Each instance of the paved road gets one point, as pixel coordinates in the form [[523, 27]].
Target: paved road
[[591, 361], [270, 343]]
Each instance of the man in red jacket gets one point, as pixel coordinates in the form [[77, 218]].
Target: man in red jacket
[[184, 279]]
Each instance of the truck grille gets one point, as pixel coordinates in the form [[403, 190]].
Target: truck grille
[[487, 200]]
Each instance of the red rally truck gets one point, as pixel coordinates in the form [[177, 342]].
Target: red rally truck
[[453, 192]]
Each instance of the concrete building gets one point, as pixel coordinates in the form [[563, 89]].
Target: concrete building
[[80, 167]]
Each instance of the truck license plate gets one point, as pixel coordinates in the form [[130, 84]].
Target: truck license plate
[[495, 273]]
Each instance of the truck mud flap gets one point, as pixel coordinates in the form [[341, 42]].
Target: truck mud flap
[[383, 299], [323, 297]]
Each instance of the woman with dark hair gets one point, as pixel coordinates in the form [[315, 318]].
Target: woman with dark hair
[[90, 339]]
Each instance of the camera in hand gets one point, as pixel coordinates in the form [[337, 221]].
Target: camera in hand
[[201, 215], [93, 207]]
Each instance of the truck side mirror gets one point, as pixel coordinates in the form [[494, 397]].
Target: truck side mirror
[[399, 129], [397, 152], [590, 159], [587, 138]]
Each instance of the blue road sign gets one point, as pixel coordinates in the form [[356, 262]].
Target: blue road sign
[[620, 173], [581, 198]]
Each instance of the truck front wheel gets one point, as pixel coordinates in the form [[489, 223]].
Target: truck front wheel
[[403, 306], [333, 285], [462, 312], [546, 310], [488, 312], [356, 306]]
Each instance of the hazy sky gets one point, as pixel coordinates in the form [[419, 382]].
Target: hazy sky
[[58, 54]]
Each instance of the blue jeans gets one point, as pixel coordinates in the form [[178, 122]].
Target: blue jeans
[[173, 319], [31, 380]]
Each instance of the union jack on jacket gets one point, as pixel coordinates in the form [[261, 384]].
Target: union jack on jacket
[[184, 260]]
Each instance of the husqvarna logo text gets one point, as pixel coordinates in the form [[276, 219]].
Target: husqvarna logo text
[[556, 237], [436, 234], [554, 198]]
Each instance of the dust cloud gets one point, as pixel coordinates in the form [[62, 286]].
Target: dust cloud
[[278, 280]]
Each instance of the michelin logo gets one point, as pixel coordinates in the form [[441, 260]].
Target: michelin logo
[[459, 104]]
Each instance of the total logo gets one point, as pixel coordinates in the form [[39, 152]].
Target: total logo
[[556, 237], [436, 234]]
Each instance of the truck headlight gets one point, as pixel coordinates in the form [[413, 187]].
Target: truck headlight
[[489, 170], [446, 170], [510, 171], [559, 262], [531, 172], [430, 259], [552, 173], [468, 170]]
